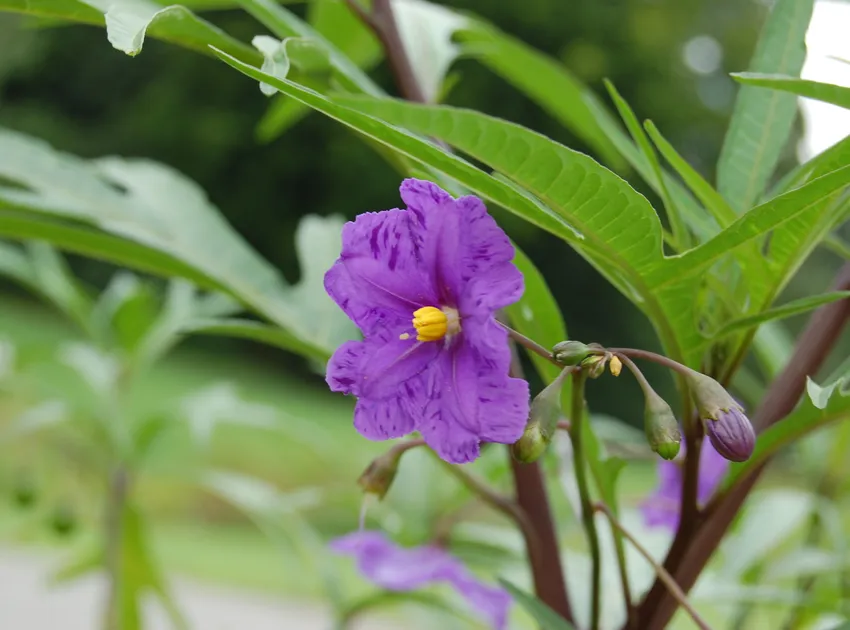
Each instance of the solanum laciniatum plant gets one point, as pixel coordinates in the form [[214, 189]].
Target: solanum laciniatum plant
[[447, 340]]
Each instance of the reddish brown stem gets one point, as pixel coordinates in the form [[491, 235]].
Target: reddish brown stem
[[811, 350]]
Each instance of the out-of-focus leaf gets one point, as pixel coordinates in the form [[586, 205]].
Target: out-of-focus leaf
[[56, 282], [125, 310], [258, 496], [128, 21], [803, 562], [542, 614], [762, 119], [837, 246], [826, 92], [545, 80], [220, 403], [283, 24], [790, 309], [537, 315], [97, 368], [768, 522], [773, 347], [426, 30], [44, 415], [7, 358], [83, 561], [820, 395], [248, 329], [149, 204], [386, 599], [802, 421]]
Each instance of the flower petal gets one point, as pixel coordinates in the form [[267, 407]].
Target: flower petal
[[376, 367], [400, 569], [380, 277], [392, 417], [472, 400]]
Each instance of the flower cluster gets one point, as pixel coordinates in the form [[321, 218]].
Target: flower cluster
[[423, 285]]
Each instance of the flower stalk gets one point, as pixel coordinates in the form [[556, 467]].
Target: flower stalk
[[576, 429]]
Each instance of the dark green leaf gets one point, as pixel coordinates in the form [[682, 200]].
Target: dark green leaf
[[542, 614], [537, 315], [255, 331], [779, 312], [762, 120], [543, 79], [681, 239], [826, 92]]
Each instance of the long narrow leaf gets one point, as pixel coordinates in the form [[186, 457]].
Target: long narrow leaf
[[826, 92], [762, 120]]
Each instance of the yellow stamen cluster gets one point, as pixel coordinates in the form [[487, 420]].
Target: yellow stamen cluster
[[432, 323]]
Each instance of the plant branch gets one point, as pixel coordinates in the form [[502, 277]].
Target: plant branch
[[810, 352], [636, 353], [660, 571], [530, 344], [546, 571], [382, 22], [579, 379], [116, 500], [499, 503]]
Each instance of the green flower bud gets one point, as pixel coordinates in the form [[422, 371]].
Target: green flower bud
[[595, 365], [570, 352], [532, 445], [542, 422], [379, 475], [662, 430]]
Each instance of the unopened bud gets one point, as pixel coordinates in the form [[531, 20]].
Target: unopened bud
[[662, 430], [710, 397], [542, 422], [732, 435], [531, 446], [615, 365], [570, 352], [595, 365], [379, 475]]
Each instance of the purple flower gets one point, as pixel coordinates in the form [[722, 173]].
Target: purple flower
[[661, 508], [423, 285], [398, 569]]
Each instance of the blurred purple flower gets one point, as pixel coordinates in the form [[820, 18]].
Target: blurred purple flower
[[398, 569], [661, 508], [423, 285]]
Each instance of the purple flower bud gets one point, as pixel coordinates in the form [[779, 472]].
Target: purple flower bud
[[732, 435]]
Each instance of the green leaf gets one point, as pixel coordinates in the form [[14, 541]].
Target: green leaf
[[255, 331], [45, 415], [837, 246], [283, 24], [826, 92], [681, 239], [802, 421], [763, 120], [790, 309], [542, 614], [710, 198], [156, 207], [128, 21], [334, 20], [537, 315], [820, 395], [757, 222], [546, 81]]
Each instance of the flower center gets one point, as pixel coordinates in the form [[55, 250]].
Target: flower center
[[432, 323]]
